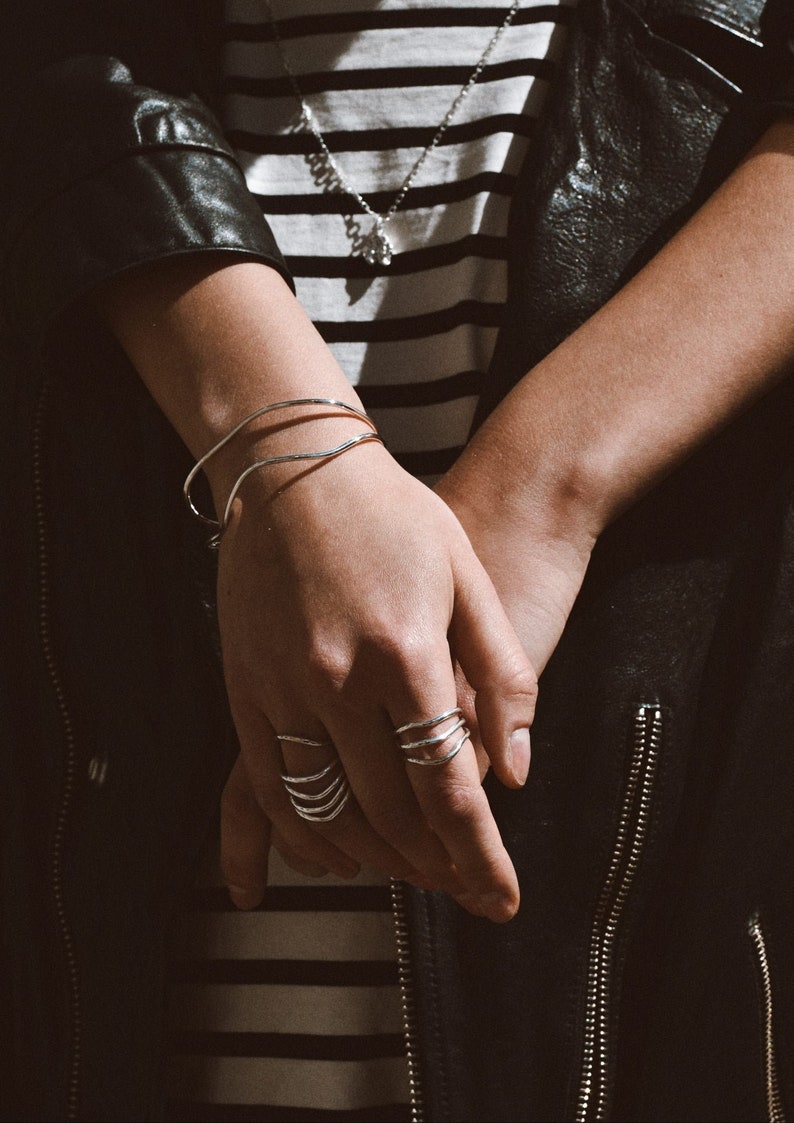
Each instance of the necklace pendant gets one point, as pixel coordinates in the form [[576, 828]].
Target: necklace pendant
[[377, 248]]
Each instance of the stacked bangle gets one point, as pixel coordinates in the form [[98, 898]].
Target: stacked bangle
[[323, 454]]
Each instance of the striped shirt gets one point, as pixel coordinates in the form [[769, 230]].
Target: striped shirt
[[292, 1011]]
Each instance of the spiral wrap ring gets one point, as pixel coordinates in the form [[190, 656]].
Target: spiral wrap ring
[[458, 724], [316, 806]]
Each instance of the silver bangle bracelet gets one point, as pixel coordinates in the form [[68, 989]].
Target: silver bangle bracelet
[[200, 464], [324, 454]]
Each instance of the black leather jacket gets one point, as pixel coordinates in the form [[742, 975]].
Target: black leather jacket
[[649, 974]]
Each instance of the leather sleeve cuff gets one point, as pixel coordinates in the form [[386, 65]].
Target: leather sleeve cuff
[[105, 176]]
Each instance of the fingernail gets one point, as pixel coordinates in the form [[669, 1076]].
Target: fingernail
[[521, 754], [497, 907], [244, 898], [492, 906]]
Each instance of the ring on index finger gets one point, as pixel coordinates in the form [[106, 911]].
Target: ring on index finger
[[455, 715], [311, 804]]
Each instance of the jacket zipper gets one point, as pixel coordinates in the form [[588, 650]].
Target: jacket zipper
[[635, 813], [774, 1102], [69, 774], [408, 1001]]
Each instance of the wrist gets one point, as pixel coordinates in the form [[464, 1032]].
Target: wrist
[[279, 443], [525, 494], [213, 342]]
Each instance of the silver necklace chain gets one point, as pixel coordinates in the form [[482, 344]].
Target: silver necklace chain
[[376, 247]]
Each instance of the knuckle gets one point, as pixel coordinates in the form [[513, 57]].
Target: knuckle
[[328, 665], [456, 803], [520, 682]]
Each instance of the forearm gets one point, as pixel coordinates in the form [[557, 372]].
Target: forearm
[[703, 329], [214, 342]]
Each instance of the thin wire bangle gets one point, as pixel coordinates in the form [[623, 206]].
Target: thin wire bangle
[[199, 465], [287, 458]]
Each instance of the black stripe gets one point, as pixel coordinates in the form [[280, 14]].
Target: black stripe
[[314, 898], [347, 22], [386, 77], [338, 202], [287, 972], [412, 261], [185, 1111], [433, 463], [296, 1046], [449, 389], [377, 140], [398, 328]]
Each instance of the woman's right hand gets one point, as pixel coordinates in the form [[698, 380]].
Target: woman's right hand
[[344, 594]]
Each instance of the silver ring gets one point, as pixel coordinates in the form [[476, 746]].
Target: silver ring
[[430, 762], [293, 783], [307, 804], [433, 740], [428, 721], [314, 775], [293, 739]]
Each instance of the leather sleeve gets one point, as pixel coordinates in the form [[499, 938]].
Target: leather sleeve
[[110, 160]]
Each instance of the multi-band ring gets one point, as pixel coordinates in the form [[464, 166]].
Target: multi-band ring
[[316, 806], [458, 723]]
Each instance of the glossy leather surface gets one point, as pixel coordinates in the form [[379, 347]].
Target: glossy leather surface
[[688, 602]]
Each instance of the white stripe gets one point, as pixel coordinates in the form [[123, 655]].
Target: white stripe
[[289, 935], [277, 1008], [253, 11], [386, 47], [407, 430], [329, 1085], [338, 110], [463, 348], [434, 290], [481, 214], [288, 174]]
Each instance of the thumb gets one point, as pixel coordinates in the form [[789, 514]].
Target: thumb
[[497, 668]]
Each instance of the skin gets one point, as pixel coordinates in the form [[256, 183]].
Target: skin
[[350, 594]]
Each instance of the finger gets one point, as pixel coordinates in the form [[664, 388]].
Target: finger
[[467, 704], [294, 860], [387, 802], [245, 841], [497, 668], [322, 795], [263, 766], [449, 791]]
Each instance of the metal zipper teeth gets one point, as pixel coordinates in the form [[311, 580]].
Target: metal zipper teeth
[[774, 1102], [69, 775], [630, 840], [408, 1001]]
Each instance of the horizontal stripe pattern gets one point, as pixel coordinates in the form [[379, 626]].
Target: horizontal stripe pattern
[[291, 1007], [379, 82], [292, 1011]]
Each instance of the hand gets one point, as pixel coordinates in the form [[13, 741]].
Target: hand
[[343, 596], [535, 555]]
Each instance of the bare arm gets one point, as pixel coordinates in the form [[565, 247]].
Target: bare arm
[[343, 592], [704, 329]]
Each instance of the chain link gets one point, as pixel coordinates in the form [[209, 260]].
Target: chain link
[[377, 248]]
